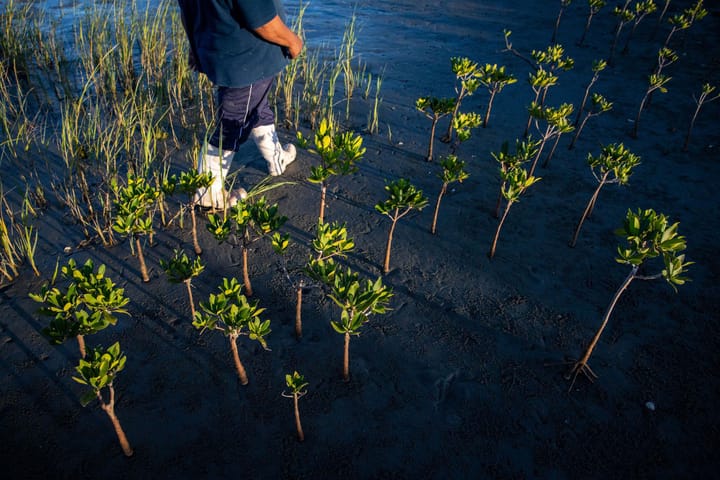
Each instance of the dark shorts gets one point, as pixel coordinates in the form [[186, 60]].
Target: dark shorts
[[240, 109]]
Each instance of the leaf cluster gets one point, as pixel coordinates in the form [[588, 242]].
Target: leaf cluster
[[98, 370], [453, 170], [339, 152], [191, 181], [402, 196], [180, 268], [435, 108], [615, 159], [133, 207], [357, 300], [296, 383]]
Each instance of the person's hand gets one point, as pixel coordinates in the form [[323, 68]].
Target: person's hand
[[295, 47]]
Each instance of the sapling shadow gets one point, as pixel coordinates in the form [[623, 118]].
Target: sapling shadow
[[563, 5], [597, 67], [180, 269], [466, 83], [297, 385], [648, 235], [339, 153], [706, 96], [189, 183], [642, 9], [231, 313], [134, 215], [524, 151], [453, 170], [403, 197], [614, 165], [515, 181], [434, 109], [89, 304], [598, 105], [98, 372], [493, 78], [656, 82], [357, 300], [594, 8]]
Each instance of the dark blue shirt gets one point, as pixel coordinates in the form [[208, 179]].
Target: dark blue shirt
[[222, 39]]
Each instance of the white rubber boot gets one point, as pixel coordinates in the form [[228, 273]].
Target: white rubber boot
[[215, 196], [276, 156]]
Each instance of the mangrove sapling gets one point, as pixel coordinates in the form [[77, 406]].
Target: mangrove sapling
[[463, 123], [88, 304], [614, 165], [542, 79], [524, 151], [98, 372], [685, 20], [599, 104], [594, 8], [705, 97], [556, 123], [189, 183], [134, 215], [466, 83], [656, 81], [297, 385], [180, 269], [357, 301], [648, 235], [494, 79], [453, 170], [597, 67], [231, 313], [624, 15], [642, 9], [402, 198], [434, 109], [563, 5], [339, 153], [515, 181]]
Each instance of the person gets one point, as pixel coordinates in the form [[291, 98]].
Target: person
[[241, 45]]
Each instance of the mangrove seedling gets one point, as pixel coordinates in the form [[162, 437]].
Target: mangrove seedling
[[594, 8], [597, 67], [563, 5], [515, 181], [624, 15], [180, 269], [598, 105], [230, 312], [434, 109], [614, 165], [402, 198], [463, 123], [706, 96], [642, 9], [357, 301], [453, 170], [556, 123], [524, 151], [656, 81], [189, 183], [90, 303], [540, 80], [339, 153], [134, 215], [466, 82], [297, 385], [554, 58], [494, 79], [648, 235], [685, 20], [98, 372]]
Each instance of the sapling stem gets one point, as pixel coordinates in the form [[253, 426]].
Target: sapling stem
[[242, 374], [595, 7], [563, 5], [109, 408], [704, 98], [297, 384], [491, 254]]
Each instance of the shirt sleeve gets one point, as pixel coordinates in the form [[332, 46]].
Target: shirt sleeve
[[256, 13]]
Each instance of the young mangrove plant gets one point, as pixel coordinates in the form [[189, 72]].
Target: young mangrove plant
[[597, 67], [642, 9], [547, 63], [339, 153], [493, 78], [297, 385], [648, 235], [434, 108], [402, 198], [685, 20], [357, 301], [98, 372], [563, 5], [466, 83], [88, 304], [515, 181], [453, 170], [525, 150], [706, 96], [189, 183], [180, 269], [656, 81], [594, 8], [614, 165], [463, 123], [230, 312], [598, 105], [556, 123], [134, 215], [624, 16]]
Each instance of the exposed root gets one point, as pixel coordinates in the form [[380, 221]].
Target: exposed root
[[578, 368]]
